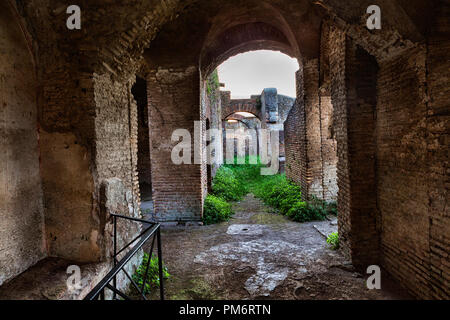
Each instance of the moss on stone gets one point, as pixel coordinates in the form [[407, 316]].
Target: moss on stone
[[198, 289], [268, 218], [212, 84]]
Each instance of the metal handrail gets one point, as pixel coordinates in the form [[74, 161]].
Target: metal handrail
[[153, 229]]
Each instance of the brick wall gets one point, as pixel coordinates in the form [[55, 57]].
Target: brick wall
[[116, 126], [361, 81], [22, 241], [401, 159], [302, 133], [412, 162], [230, 106], [312, 126], [294, 137], [328, 140], [438, 132], [211, 99], [139, 91], [353, 92], [174, 103], [390, 127]]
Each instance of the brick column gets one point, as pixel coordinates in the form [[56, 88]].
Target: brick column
[[353, 91], [313, 163], [174, 103], [302, 133], [329, 146]]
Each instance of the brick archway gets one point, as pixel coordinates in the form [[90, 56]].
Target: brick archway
[[242, 105], [392, 149]]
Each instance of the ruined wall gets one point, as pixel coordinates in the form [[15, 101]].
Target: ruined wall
[[230, 106], [213, 109], [88, 135], [22, 241], [66, 110], [392, 129], [116, 129], [72, 231], [328, 139], [329, 150], [353, 92], [139, 91], [269, 104], [293, 137], [438, 128], [412, 163], [285, 104], [269, 107], [174, 102], [205, 113], [401, 159], [240, 131], [303, 135], [313, 162]]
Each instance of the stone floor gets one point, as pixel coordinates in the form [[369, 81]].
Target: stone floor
[[255, 255], [47, 280], [261, 255]]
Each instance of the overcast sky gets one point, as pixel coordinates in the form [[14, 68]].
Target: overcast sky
[[249, 73]]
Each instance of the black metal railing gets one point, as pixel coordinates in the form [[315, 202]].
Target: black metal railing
[[151, 230]]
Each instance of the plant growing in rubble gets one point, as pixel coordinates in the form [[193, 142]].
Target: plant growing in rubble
[[216, 210], [227, 186], [333, 240], [152, 274]]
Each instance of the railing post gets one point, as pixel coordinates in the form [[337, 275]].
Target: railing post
[[98, 292], [160, 266], [115, 253]]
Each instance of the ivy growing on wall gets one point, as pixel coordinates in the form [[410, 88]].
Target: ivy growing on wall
[[212, 84]]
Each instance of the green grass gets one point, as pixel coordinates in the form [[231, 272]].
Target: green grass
[[333, 240], [152, 275], [227, 185], [233, 181]]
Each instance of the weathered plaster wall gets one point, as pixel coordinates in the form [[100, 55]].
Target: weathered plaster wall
[[116, 148], [71, 230], [22, 241]]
